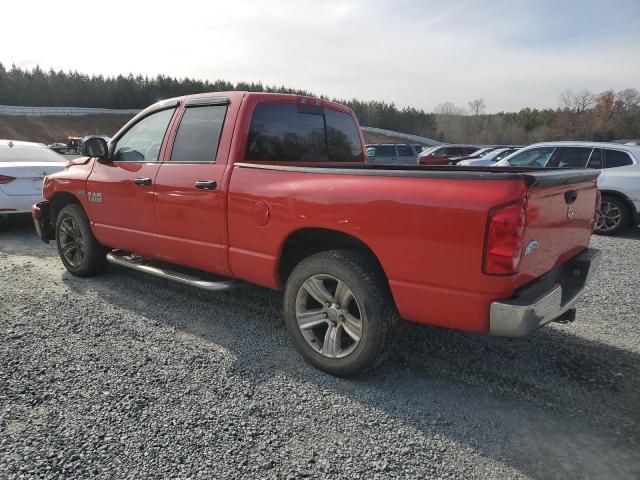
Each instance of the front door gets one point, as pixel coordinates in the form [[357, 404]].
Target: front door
[[121, 191], [190, 196]]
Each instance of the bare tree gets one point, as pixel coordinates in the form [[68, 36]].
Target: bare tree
[[630, 99], [447, 108], [477, 106], [577, 102]]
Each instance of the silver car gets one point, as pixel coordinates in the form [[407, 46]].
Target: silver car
[[392, 154], [619, 181]]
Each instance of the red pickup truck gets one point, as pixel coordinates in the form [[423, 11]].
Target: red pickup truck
[[271, 189]]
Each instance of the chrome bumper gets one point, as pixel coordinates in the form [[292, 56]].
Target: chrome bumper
[[545, 299]]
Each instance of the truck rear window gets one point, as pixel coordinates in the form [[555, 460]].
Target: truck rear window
[[301, 133]]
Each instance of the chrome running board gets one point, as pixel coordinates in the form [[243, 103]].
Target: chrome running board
[[160, 269]]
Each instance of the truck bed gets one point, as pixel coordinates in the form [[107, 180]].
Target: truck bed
[[426, 226]]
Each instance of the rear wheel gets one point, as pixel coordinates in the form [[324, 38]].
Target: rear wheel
[[339, 312], [613, 216], [79, 250]]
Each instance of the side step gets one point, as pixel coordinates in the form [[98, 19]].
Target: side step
[[170, 272]]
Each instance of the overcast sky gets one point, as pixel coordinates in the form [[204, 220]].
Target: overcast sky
[[419, 53]]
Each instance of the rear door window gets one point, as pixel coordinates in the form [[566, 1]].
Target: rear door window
[[199, 134], [405, 151], [616, 158], [300, 133], [570, 157], [595, 161], [385, 151]]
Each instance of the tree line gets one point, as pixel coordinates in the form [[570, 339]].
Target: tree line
[[579, 115], [37, 87]]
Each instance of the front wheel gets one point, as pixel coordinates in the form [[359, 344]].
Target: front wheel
[[339, 311], [79, 250]]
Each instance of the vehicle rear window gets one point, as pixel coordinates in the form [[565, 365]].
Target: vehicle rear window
[[616, 158], [385, 151], [199, 134], [293, 133], [570, 157], [595, 161], [405, 151], [29, 154]]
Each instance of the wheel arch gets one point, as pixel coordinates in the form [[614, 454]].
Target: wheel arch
[[58, 201], [304, 242]]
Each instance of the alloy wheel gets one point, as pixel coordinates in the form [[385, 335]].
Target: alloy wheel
[[72, 242], [609, 216], [329, 316]]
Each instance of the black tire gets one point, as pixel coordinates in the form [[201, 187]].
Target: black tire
[[92, 260], [607, 205], [369, 291]]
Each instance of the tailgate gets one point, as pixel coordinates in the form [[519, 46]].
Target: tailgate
[[561, 209]]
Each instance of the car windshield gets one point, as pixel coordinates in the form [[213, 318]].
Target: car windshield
[[533, 157], [481, 153], [29, 154]]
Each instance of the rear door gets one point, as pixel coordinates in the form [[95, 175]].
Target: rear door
[[385, 155], [190, 198], [405, 155]]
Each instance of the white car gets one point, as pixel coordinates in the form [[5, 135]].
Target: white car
[[23, 166], [619, 180], [488, 158]]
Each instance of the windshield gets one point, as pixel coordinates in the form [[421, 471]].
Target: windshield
[[482, 152], [29, 154], [533, 157]]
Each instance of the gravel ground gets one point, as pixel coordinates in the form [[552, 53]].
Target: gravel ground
[[127, 376]]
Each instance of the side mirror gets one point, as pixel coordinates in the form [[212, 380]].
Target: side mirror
[[95, 147]]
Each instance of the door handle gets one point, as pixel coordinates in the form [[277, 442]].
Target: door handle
[[570, 196], [142, 181], [206, 184]]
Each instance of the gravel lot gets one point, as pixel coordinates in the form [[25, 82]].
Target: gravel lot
[[127, 376]]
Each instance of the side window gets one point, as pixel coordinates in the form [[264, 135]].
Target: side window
[[293, 133], [199, 134], [443, 152], [385, 151], [616, 158], [570, 157], [595, 161], [405, 151], [142, 142], [534, 157], [343, 137]]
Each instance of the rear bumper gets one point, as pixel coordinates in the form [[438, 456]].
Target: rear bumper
[[42, 221], [546, 299]]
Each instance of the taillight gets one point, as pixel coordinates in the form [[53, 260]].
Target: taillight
[[505, 239], [6, 179]]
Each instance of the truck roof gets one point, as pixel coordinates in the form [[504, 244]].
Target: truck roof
[[238, 94]]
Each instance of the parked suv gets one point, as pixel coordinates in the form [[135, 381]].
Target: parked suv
[[441, 155], [619, 182], [391, 154]]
